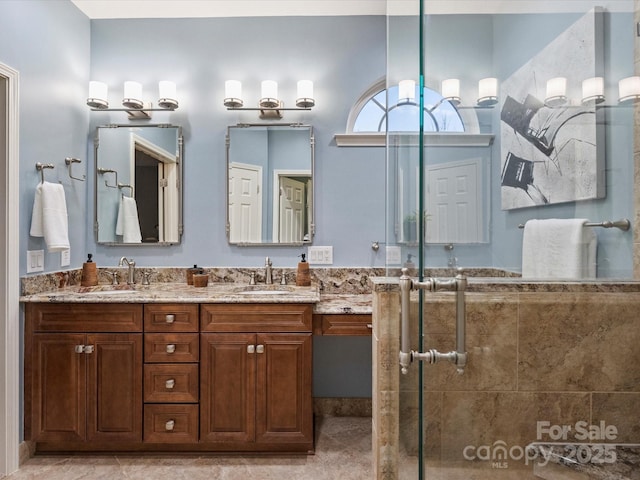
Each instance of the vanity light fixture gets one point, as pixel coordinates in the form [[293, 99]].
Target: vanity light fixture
[[629, 90], [556, 92], [269, 105], [451, 91], [406, 91], [487, 92], [593, 90], [132, 102]]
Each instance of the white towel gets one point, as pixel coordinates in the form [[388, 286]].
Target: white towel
[[128, 224], [49, 216], [559, 248]]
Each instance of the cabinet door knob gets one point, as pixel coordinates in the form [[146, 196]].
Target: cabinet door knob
[[171, 348], [169, 425], [79, 349], [169, 384], [251, 349], [260, 349], [88, 349], [170, 318]]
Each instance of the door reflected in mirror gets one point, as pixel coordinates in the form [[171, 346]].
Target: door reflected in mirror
[[270, 184], [138, 175]]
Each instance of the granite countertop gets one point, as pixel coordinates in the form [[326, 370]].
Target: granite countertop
[[213, 293]]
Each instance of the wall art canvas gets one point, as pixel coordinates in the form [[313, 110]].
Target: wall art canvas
[[553, 152]]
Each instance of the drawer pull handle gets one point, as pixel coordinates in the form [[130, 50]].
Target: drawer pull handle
[[169, 384], [369, 326], [260, 349], [251, 349], [169, 425], [170, 318], [171, 348]]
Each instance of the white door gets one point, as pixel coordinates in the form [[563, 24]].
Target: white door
[[453, 203], [245, 203], [292, 210]]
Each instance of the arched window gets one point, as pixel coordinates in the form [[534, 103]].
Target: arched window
[[402, 115]]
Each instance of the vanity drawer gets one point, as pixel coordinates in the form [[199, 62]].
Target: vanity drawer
[[171, 383], [173, 423], [171, 347], [256, 317], [181, 317], [342, 324], [83, 317]]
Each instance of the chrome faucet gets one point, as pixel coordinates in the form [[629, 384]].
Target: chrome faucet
[[268, 272], [131, 278]]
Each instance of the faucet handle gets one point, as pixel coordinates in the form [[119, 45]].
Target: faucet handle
[[283, 279], [145, 278], [267, 262], [252, 278]]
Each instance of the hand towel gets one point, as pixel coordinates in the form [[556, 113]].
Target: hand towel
[[128, 224], [49, 216], [559, 248]]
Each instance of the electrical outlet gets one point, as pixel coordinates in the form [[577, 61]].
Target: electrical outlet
[[394, 255], [35, 261], [65, 257], [320, 255]]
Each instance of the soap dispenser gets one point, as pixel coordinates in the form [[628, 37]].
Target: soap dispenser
[[303, 277], [89, 273]]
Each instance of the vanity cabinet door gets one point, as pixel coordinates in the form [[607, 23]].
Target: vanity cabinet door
[[227, 388], [114, 388], [284, 376], [58, 388]]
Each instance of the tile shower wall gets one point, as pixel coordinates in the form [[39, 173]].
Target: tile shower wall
[[560, 357]]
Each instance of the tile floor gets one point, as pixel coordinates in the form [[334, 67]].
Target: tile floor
[[343, 452]]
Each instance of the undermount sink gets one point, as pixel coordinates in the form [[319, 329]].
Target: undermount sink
[[110, 292], [107, 290], [264, 292]]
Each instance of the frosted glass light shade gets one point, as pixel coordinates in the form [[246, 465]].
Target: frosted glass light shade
[[167, 94], [488, 91], [556, 92], [451, 90], [269, 96], [629, 89], [132, 95], [98, 95], [406, 91], [305, 94], [233, 94]]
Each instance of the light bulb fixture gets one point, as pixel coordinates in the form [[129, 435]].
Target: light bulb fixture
[[556, 92], [98, 95], [487, 92], [269, 105], [451, 91], [233, 94], [167, 94], [305, 94], [406, 91], [629, 90], [132, 95], [269, 94]]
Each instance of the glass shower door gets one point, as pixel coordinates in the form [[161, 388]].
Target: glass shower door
[[520, 111]]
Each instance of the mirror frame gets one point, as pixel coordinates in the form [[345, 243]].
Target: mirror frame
[[312, 226], [179, 175]]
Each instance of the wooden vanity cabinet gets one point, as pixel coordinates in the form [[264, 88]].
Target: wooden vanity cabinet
[[256, 375], [83, 374]]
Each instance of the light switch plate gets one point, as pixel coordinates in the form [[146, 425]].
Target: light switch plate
[[35, 261], [320, 255], [394, 255], [65, 257]]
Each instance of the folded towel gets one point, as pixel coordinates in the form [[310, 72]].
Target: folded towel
[[128, 224], [49, 216], [559, 248]]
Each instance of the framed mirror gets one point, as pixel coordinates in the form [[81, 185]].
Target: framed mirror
[[270, 184], [138, 184]]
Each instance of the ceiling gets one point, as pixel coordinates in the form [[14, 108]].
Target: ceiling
[[102, 9]]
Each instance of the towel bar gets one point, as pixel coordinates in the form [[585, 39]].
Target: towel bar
[[102, 171], [69, 161], [122, 185], [622, 224]]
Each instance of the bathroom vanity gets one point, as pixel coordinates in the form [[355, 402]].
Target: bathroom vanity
[[209, 369]]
